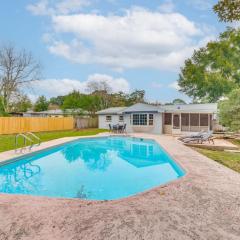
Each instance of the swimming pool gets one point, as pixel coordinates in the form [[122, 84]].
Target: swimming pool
[[104, 168]]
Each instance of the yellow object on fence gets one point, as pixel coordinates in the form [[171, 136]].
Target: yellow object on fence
[[10, 125]]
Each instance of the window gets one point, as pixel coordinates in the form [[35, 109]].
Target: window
[[139, 119], [150, 119], [108, 118], [121, 118], [167, 119], [203, 120]]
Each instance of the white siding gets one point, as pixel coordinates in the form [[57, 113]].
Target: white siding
[[155, 129], [103, 124]]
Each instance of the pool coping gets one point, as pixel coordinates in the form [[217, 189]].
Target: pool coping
[[54, 143]]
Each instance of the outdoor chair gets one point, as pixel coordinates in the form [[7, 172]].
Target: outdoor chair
[[208, 136], [120, 128], [124, 128], [115, 128], [196, 135]]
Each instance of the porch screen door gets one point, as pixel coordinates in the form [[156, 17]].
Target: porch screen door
[[176, 121]]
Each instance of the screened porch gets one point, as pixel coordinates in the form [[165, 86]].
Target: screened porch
[[187, 122]]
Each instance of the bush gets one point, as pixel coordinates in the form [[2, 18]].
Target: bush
[[229, 111]]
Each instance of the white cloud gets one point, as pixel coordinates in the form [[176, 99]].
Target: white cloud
[[139, 38], [55, 87], [174, 85], [69, 6], [39, 8], [55, 7], [116, 84], [167, 6]]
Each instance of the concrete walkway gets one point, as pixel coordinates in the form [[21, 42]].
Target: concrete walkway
[[205, 204]]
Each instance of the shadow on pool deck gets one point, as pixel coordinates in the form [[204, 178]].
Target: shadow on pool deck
[[205, 204]]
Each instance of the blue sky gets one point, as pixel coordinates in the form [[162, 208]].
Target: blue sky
[[130, 44]]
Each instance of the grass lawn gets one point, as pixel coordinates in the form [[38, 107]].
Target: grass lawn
[[7, 142], [231, 160], [236, 142]]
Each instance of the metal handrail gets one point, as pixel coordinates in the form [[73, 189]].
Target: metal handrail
[[25, 141], [35, 136]]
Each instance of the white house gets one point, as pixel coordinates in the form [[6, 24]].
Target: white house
[[168, 119]]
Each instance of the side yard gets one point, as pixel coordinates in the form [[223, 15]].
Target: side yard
[[229, 159], [7, 142]]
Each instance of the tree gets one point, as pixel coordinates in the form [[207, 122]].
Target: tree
[[92, 104], [229, 110], [17, 70], [178, 101], [98, 100], [119, 99], [136, 97], [79, 103], [72, 101], [57, 100], [228, 10], [94, 86], [101, 89], [41, 104], [2, 111], [213, 71], [21, 104]]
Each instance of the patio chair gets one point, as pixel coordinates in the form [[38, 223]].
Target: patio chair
[[122, 128], [196, 135], [115, 128], [201, 139], [207, 137]]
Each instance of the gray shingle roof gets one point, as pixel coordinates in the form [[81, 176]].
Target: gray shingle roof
[[193, 108], [143, 107], [112, 110]]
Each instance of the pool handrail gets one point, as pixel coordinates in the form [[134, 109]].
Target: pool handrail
[[34, 136], [26, 138]]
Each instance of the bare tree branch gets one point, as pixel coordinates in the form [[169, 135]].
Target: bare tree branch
[[17, 70]]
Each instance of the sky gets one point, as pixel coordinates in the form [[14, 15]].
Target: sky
[[135, 44]]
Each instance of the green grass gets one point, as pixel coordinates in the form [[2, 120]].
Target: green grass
[[7, 142], [229, 159], [235, 141]]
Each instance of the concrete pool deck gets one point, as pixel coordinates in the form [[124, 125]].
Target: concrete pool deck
[[205, 204]]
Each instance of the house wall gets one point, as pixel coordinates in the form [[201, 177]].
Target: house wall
[[103, 124], [155, 129], [167, 129]]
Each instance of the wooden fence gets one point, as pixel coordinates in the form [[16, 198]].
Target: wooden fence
[[10, 125], [81, 123]]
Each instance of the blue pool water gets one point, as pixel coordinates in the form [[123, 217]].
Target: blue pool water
[[98, 168]]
